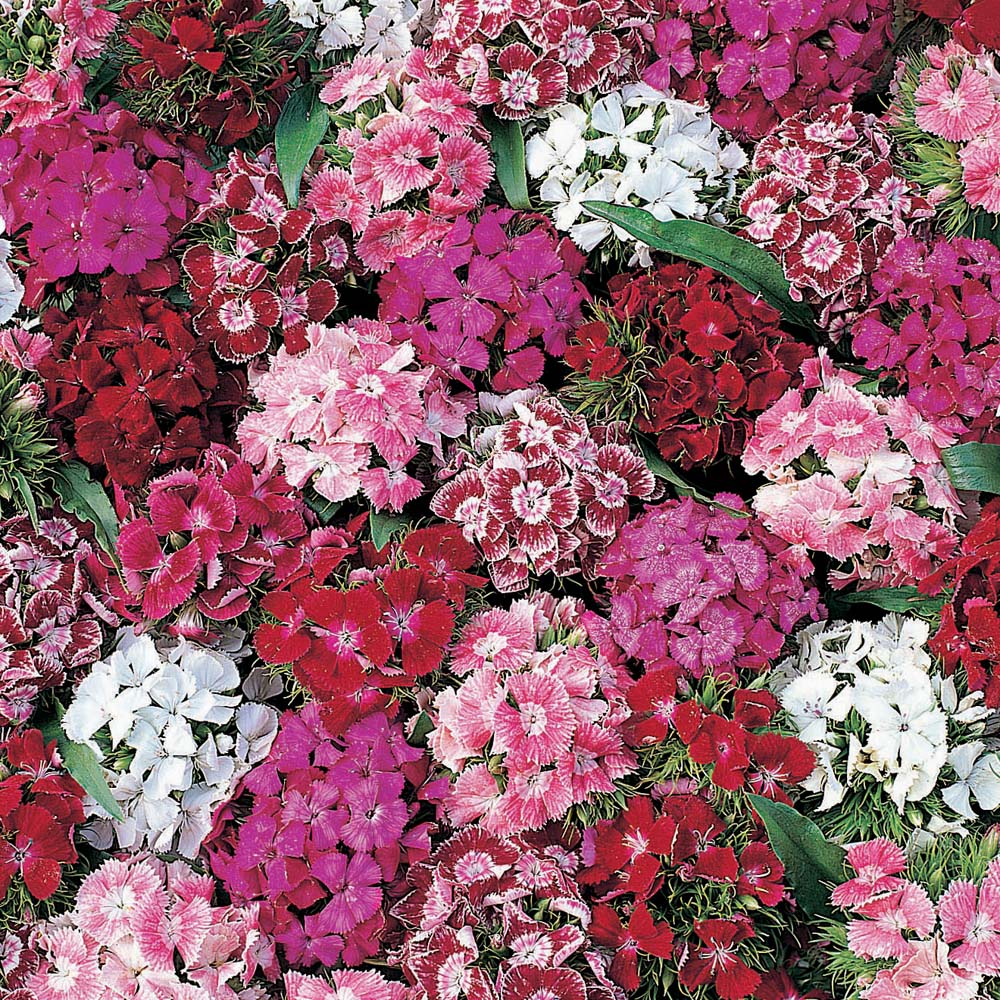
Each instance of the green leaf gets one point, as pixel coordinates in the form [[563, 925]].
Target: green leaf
[[28, 498], [747, 264], [422, 728], [324, 509], [809, 858], [973, 466], [383, 527], [301, 128], [507, 142], [663, 470], [82, 763], [908, 600], [81, 495]]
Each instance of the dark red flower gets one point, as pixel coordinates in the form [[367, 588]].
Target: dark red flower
[[723, 744], [714, 959], [642, 934], [761, 874], [32, 845]]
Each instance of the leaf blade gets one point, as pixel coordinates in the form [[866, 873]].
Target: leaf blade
[[973, 466], [809, 858], [747, 264], [507, 144], [81, 495], [301, 127], [906, 599], [383, 527]]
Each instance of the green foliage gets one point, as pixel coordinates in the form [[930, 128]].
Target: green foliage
[[747, 264], [383, 527], [904, 600], [300, 129], [80, 495], [973, 466], [507, 144], [28, 457], [28, 41]]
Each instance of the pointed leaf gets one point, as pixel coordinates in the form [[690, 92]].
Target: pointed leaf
[[27, 497], [747, 264], [809, 858], [383, 527], [324, 509], [973, 466], [81, 495], [663, 470], [908, 600], [507, 143], [82, 764], [300, 129]]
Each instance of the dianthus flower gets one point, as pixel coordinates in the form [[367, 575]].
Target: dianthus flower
[[383, 28], [882, 719], [527, 889], [55, 595], [913, 944], [945, 114], [392, 623], [857, 476], [828, 204], [352, 400], [97, 193], [129, 387], [220, 68], [43, 46], [211, 534], [274, 271], [756, 65], [698, 357], [505, 285], [173, 737], [40, 807], [139, 920], [969, 633], [640, 147], [543, 716], [544, 492], [322, 847], [704, 587], [413, 153], [933, 329]]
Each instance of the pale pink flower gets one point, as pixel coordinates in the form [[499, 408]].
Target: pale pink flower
[[355, 82], [974, 923], [502, 639], [781, 434], [71, 971], [474, 796], [534, 795], [110, 898], [957, 113], [880, 933], [333, 196], [876, 863], [846, 424], [981, 173], [540, 723]]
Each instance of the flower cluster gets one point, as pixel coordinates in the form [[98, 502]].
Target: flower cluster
[[759, 64], [969, 632], [544, 493], [495, 295], [485, 909], [946, 111], [533, 726], [139, 921], [932, 329], [828, 203], [212, 533], [350, 648], [330, 827], [354, 398], [42, 47], [871, 705], [130, 388], [526, 58], [639, 147], [925, 947], [382, 27], [414, 155], [40, 805], [261, 268], [857, 476], [220, 69], [53, 593], [173, 739], [97, 193], [687, 354], [706, 587]]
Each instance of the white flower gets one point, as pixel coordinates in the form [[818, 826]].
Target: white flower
[[256, 727], [608, 117], [343, 26], [163, 762], [813, 699], [560, 150], [100, 701], [667, 191], [387, 31], [824, 779], [194, 819], [11, 289], [978, 777]]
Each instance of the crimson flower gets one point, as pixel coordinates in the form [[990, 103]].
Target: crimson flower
[[723, 744], [761, 874], [642, 934], [32, 845], [714, 959]]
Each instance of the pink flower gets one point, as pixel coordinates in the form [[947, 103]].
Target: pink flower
[[755, 20], [539, 725], [974, 923], [355, 82], [981, 173], [958, 113], [110, 897], [767, 67], [847, 424], [333, 195], [390, 165], [875, 862], [70, 971], [880, 933]]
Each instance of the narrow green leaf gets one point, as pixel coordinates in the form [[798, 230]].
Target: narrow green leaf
[[507, 142], [383, 527], [26, 496], [907, 600], [81, 495], [300, 129], [665, 471], [747, 264], [324, 509], [82, 763], [973, 466], [810, 860], [421, 730]]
